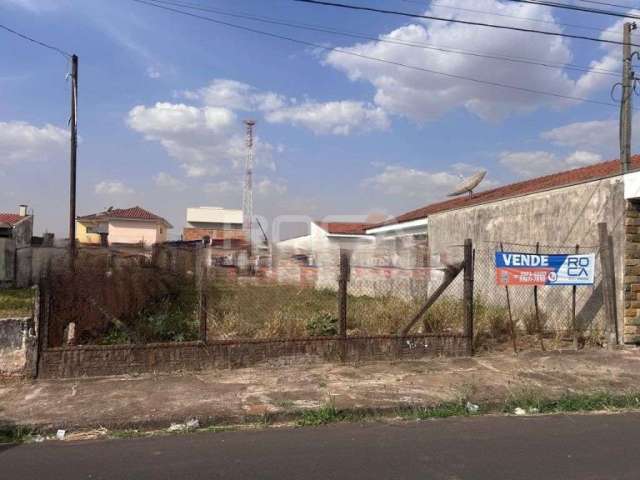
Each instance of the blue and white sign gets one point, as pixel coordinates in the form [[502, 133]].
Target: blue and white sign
[[514, 268]]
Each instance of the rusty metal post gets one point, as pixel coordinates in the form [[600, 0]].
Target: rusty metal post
[[512, 325], [537, 309], [574, 323], [343, 279], [468, 294]]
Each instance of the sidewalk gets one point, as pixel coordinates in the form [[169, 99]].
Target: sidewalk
[[236, 396]]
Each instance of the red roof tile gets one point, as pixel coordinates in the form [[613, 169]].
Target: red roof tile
[[344, 228], [133, 213], [10, 218], [555, 180]]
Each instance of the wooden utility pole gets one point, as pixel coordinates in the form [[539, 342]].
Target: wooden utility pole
[[74, 150], [625, 101]]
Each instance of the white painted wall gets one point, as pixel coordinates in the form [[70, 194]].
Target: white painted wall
[[136, 231]]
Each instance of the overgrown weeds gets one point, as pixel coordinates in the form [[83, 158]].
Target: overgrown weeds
[[267, 310], [16, 301]]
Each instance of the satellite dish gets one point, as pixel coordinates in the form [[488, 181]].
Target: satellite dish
[[469, 184]]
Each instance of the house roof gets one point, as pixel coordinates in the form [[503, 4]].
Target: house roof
[[11, 218], [539, 184], [133, 213], [344, 228]]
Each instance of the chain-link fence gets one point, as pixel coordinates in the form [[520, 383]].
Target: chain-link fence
[[106, 298], [525, 316], [175, 295]]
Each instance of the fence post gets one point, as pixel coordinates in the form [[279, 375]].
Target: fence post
[[202, 296], [574, 322], [537, 309], [512, 325], [608, 289], [468, 294], [342, 292]]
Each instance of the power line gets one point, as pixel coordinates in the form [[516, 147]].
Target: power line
[[38, 42], [465, 22], [376, 59], [577, 8], [496, 14], [444, 50], [615, 5]]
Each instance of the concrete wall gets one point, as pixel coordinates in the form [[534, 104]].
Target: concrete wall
[[18, 347], [23, 231], [7, 261], [560, 217], [167, 357]]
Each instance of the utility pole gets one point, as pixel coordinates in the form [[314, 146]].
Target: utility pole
[[625, 102], [247, 192], [73, 122]]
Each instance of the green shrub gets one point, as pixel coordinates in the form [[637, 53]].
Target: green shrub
[[322, 325]]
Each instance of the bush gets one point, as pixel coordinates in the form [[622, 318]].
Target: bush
[[322, 325]]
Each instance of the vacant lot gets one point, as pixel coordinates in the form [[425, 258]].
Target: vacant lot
[[16, 302]]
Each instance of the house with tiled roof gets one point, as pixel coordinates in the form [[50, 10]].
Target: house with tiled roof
[[123, 226]]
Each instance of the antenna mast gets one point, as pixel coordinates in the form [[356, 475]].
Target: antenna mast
[[247, 193]]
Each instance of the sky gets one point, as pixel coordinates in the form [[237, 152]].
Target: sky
[[163, 96]]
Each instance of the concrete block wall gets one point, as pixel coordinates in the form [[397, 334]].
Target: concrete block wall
[[631, 277], [100, 360], [18, 347]]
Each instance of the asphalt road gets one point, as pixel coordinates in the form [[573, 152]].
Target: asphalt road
[[554, 447]]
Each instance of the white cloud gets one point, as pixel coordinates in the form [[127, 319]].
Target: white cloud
[[591, 134], [338, 118], [601, 136], [22, 142], [267, 187], [335, 117], [537, 163], [263, 187], [236, 95], [207, 137], [34, 6], [165, 180], [409, 182], [202, 139], [113, 187], [611, 61], [153, 72], [424, 96]]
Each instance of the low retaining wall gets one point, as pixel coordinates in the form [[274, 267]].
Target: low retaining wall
[[100, 360], [18, 347]]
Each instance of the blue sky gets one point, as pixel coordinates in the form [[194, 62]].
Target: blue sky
[[163, 96]]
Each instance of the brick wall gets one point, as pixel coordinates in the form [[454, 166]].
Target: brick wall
[[632, 273], [99, 360]]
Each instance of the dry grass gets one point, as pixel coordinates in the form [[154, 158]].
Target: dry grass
[[16, 302], [271, 310]]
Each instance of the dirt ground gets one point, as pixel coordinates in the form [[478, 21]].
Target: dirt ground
[[234, 396]]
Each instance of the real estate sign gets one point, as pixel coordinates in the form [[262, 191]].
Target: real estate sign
[[544, 269]]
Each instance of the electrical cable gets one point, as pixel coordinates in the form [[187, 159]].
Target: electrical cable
[[38, 42], [367, 57], [439, 49], [464, 22]]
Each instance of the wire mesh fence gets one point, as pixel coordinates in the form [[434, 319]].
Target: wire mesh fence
[[176, 296], [545, 316]]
